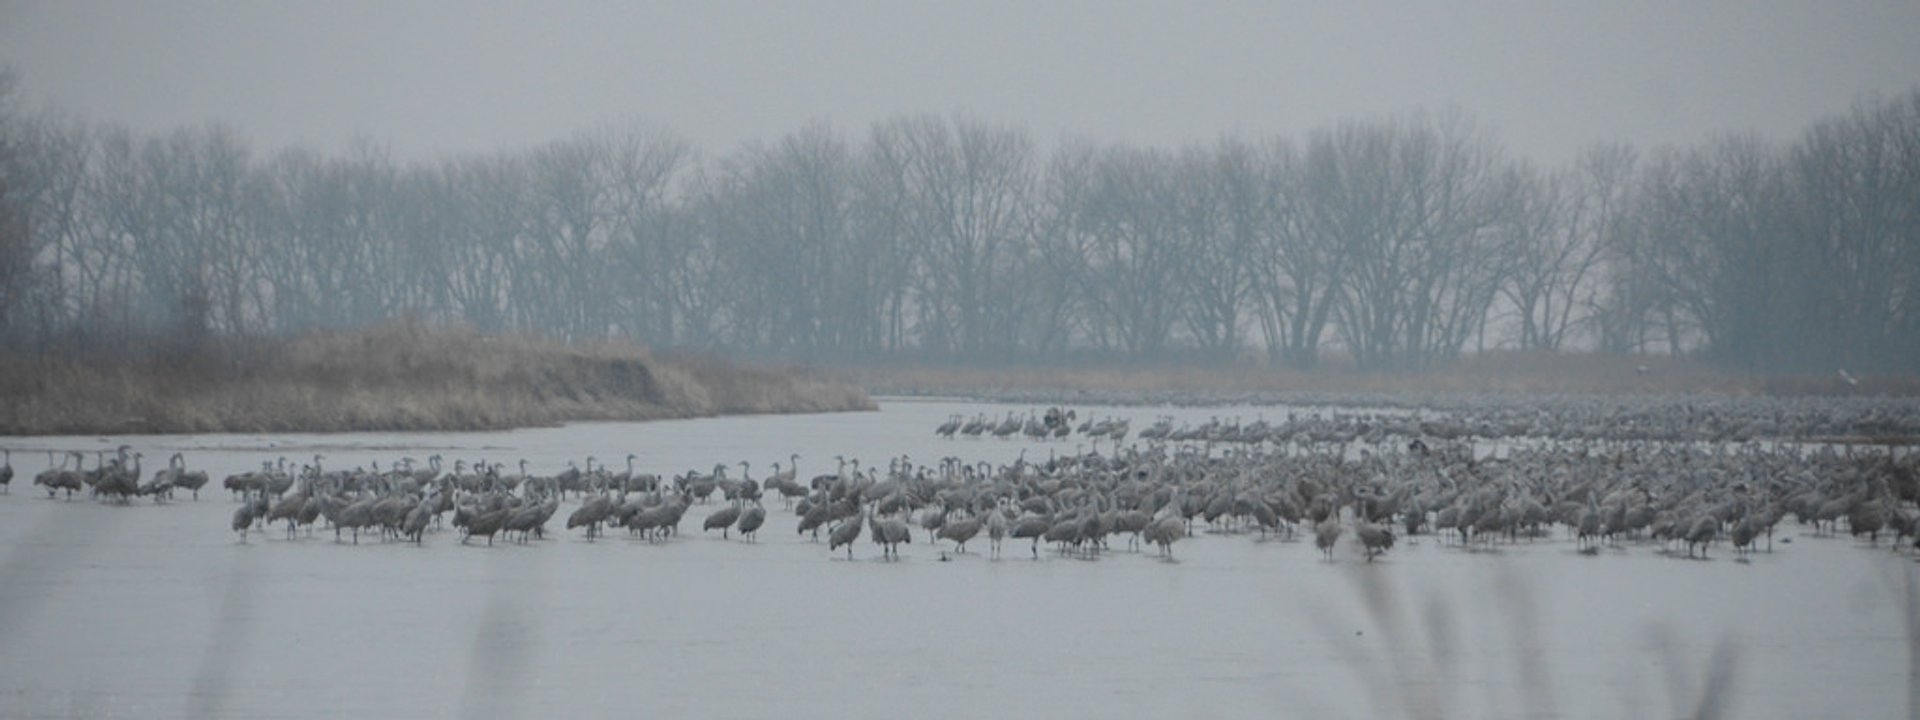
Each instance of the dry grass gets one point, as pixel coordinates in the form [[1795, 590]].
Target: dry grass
[[392, 377], [1500, 372]]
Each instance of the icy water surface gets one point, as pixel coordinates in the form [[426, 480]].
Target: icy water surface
[[148, 611]]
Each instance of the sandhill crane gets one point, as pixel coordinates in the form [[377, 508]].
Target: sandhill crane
[[1326, 533], [591, 513], [1064, 532], [486, 524], [657, 521], [242, 520], [1374, 538], [1589, 523], [390, 513], [724, 518], [116, 480], [1134, 523], [417, 519], [1032, 526], [1165, 532], [287, 509], [890, 531], [976, 426], [6, 474], [930, 520], [355, 516], [1867, 517], [960, 531], [785, 481], [1009, 426], [1701, 533], [1830, 512], [309, 512], [751, 520], [845, 533], [997, 527], [1744, 533], [528, 518], [50, 476], [623, 480], [815, 517], [701, 487], [164, 481]]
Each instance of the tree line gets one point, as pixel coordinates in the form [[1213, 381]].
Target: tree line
[[1398, 242]]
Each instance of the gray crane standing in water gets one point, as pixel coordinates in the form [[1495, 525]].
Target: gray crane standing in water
[[1032, 526], [724, 518], [845, 533], [751, 520], [50, 477], [813, 517], [997, 527], [417, 519], [486, 523], [591, 513], [890, 531], [960, 531], [1165, 532], [243, 519], [530, 519], [355, 516], [1701, 533], [1375, 539], [287, 509], [1327, 533]]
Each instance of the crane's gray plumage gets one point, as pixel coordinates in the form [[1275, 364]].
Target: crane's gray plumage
[[845, 534], [960, 531], [724, 518], [751, 520]]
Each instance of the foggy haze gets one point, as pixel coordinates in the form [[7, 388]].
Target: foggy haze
[[1579, 300], [438, 78]]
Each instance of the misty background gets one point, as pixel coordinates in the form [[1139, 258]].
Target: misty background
[[1389, 185]]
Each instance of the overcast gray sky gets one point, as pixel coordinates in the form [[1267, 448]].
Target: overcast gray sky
[[439, 77]]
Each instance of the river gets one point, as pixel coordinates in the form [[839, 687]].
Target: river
[[156, 611]]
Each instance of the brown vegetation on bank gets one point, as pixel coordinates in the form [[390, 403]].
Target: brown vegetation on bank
[[1504, 372], [392, 377]]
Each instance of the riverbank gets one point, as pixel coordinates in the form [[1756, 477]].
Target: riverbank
[[392, 378]]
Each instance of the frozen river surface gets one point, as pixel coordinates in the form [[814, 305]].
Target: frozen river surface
[[148, 611]]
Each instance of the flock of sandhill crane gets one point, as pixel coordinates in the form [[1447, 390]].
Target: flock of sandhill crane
[[1331, 477], [115, 478], [1054, 423]]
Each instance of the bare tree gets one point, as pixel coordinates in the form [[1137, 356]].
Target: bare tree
[[1118, 216], [966, 188], [1214, 222], [1415, 206], [1400, 239], [1563, 223], [1855, 179]]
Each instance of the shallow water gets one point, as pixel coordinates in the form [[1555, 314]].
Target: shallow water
[[157, 611]]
